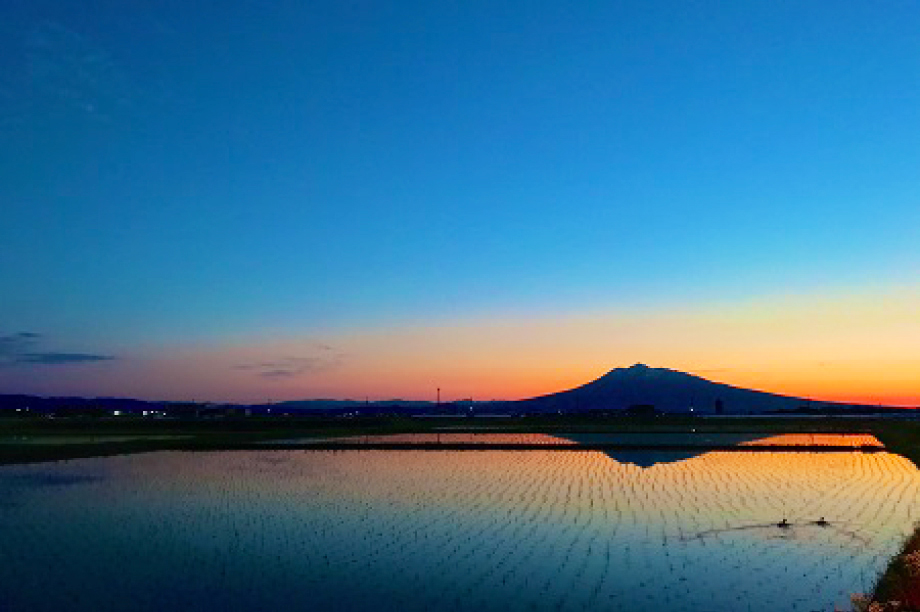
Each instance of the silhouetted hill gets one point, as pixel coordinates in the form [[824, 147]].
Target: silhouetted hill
[[639, 390], [50, 404], [333, 404], [665, 390]]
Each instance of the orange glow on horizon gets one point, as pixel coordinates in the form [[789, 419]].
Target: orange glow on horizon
[[852, 348]]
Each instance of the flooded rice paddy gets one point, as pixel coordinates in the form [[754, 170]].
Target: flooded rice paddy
[[451, 530]]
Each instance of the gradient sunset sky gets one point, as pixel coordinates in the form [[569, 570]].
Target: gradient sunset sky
[[276, 200]]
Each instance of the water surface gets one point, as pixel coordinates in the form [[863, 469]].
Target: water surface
[[415, 530]]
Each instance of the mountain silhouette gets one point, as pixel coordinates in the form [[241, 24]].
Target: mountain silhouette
[[638, 387], [664, 389]]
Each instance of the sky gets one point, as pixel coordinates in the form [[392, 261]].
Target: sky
[[243, 201]]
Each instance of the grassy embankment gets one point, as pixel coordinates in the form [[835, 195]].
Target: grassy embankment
[[901, 581]]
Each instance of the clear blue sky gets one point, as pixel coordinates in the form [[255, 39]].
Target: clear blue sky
[[183, 172]]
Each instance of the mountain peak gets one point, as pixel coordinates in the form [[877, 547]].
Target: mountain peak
[[638, 370], [666, 389]]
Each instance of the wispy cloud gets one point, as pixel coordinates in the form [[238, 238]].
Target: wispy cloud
[[21, 349], [53, 358], [292, 367], [14, 346]]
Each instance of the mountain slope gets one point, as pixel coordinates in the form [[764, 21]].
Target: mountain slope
[[666, 390]]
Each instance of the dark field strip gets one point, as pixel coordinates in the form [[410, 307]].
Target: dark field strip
[[898, 436], [10, 454], [472, 446]]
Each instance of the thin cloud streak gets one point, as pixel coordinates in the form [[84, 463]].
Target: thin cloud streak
[[19, 349], [53, 358], [293, 367]]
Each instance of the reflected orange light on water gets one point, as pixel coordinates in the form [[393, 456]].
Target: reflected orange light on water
[[873, 493], [821, 439]]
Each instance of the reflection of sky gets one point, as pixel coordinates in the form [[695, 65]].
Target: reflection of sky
[[496, 202], [478, 530]]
